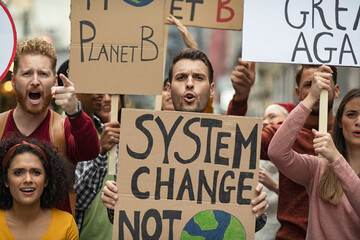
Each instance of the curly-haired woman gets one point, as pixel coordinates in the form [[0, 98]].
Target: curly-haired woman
[[34, 178]]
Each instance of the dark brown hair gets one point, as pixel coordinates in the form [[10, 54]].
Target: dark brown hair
[[301, 68], [193, 54]]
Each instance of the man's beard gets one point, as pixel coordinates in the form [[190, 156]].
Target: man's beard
[[181, 105], [37, 109], [315, 112]]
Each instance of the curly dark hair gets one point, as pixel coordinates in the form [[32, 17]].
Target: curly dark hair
[[59, 172]]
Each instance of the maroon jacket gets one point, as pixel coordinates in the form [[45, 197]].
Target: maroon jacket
[[293, 204]]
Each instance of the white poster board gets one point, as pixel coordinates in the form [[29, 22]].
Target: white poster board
[[7, 40], [306, 31]]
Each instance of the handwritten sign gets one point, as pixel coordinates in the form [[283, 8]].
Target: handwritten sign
[[221, 14], [186, 174], [117, 46], [7, 41], [290, 31]]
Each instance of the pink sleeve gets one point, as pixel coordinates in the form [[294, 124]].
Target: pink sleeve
[[349, 181], [298, 167]]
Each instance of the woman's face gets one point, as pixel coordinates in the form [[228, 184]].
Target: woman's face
[[273, 115], [350, 123], [26, 179]]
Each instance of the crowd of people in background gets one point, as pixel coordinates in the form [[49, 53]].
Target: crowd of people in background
[[55, 182]]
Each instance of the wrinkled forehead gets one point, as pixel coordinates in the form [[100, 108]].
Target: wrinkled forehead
[[36, 61], [307, 75], [26, 160], [188, 66]]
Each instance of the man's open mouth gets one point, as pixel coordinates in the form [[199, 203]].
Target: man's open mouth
[[189, 97], [34, 95]]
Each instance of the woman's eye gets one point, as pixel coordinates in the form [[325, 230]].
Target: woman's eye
[[17, 172]]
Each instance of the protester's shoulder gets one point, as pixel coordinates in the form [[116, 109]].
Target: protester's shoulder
[[61, 216], [62, 226]]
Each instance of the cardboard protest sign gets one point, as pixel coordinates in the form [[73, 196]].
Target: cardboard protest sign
[[289, 31], [7, 41], [117, 46], [186, 174], [221, 14]]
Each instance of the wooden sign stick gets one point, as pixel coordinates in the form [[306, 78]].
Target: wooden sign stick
[[114, 117], [158, 101], [323, 112]]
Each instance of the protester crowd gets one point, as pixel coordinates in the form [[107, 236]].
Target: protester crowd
[[55, 183]]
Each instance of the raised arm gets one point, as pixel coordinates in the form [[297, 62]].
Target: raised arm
[[188, 39], [298, 167], [242, 78], [81, 135]]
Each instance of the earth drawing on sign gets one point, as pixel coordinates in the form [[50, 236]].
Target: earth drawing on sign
[[138, 3], [213, 225]]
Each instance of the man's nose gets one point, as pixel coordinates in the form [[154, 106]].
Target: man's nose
[[35, 80], [190, 82]]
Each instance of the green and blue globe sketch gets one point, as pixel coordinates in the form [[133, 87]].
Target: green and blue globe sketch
[[138, 3], [213, 225]]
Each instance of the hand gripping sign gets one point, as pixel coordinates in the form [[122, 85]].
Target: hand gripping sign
[[7, 40]]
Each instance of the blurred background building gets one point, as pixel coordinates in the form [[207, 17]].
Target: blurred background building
[[274, 82]]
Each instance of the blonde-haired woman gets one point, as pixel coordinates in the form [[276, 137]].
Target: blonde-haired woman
[[332, 182]]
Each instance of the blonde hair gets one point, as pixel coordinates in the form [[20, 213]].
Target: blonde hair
[[330, 189], [35, 46]]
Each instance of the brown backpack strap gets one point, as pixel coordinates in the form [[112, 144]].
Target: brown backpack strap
[[57, 132], [58, 139], [3, 121]]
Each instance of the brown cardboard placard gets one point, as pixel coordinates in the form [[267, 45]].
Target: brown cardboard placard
[[117, 47], [220, 14], [178, 171]]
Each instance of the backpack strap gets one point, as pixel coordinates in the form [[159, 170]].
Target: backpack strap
[[57, 137], [57, 132], [3, 121]]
